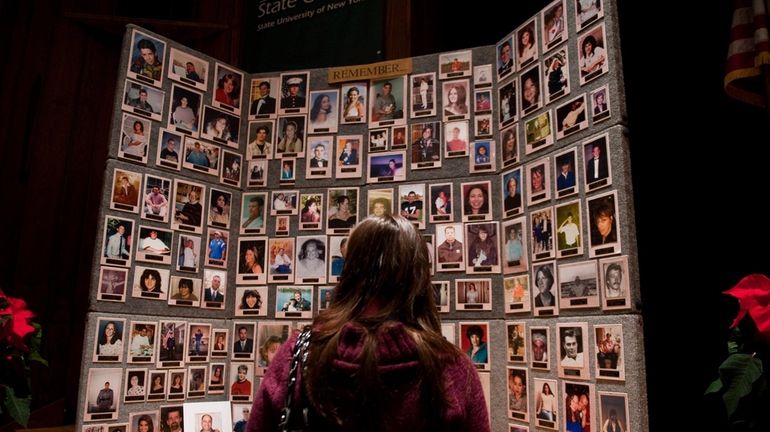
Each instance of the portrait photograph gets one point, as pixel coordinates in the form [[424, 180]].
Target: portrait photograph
[[569, 229], [349, 153], [134, 139], [135, 388], [604, 226], [294, 92], [214, 289], [545, 300], [578, 285], [517, 341], [473, 294], [217, 377], [154, 245], [482, 157], [379, 139], [311, 259], [241, 413], [441, 202], [610, 361], [573, 350], [155, 198], [188, 253], [342, 210], [517, 294], [398, 138], [320, 149], [230, 174], [184, 111], [207, 416], [592, 55], [509, 143], [102, 394], [506, 97], [185, 291], [515, 246], [284, 202], [505, 54], [541, 223], [600, 104], [387, 101], [280, 258], [337, 251], [125, 190], [253, 215], [449, 331], [220, 127], [482, 76], [144, 420], [455, 64], [598, 165], [527, 46], [108, 340], [531, 90], [426, 145], [288, 171], [539, 181], [450, 248], [353, 106], [518, 402], [169, 147], [188, 69], [324, 106], [158, 385], [475, 342], [199, 343], [221, 343], [272, 334], [379, 202], [261, 140], [219, 211], [240, 377], [228, 84], [147, 54], [587, 12], [412, 203], [263, 94], [423, 91], [483, 126], [456, 99], [556, 75], [294, 301], [482, 101], [511, 186], [538, 133], [553, 25], [483, 254], [616, 293], [578, 405], [613, 410], [290, 136], [311, 213], [441, 294], [176, 386], [566, 175], [112, 284], [547, 403], [151, 283], [476, 201], [117, 238], [282, 226], [244, 333], [539, 348], [386, 167], [171, 350], [143, 100], [251, 301], [201, 156], [571, 117], [257, 173], [187, 206]]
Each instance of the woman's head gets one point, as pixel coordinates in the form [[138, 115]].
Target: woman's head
[[251, 299], [589, 44], [138, 126], [525, 38], [475, 335], [270, 348], [546, 388], [134, 380], [352, 94], [311, 205], [456, 95], [290, 130], [250, 256], [150, 280], [158, 380], [229, 84], [343, 202], [544, 278], [476, 200], [312, 249], [531, 90], [145, 424], [512, 186], [185, 287], [321, 104]]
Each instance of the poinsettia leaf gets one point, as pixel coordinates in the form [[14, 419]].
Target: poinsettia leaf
[[715, 386], [738, 374], [35, 356], [18, 408]]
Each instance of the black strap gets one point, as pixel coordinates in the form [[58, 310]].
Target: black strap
[[298, 358]]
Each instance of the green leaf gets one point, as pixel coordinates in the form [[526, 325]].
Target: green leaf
[[18, 408], [715, 386], [738, 374], [35, 356]]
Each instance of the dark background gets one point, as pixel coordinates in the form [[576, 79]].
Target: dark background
[[699, 164]]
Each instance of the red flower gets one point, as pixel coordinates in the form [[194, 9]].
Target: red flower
[[15, 322], [753, 294]]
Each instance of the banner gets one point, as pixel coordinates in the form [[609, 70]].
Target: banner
[[748, 55]]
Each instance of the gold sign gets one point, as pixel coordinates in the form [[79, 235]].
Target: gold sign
[[379, 70]]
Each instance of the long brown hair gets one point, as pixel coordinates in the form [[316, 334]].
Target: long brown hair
[[385, 281]]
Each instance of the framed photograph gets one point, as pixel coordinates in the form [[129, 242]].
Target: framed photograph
[[243, 344], [221, 343], [610, 359], [441, 294], [483, 126], [101, 401], [539, 348], [342, 210], [506, 97], [380, 202], [109, 337], [262, 94], [556, 75], [517, 294], [456, 98], [531, 94], [188, 209], [509, 139], [156, 198], [505, 54], [125, 190], [515, 246], [184, 111], [143, 420], [284, 202], [188, 69], [134, 139], [197, 376], [449, 330], [117, 238], [294, 301], [482, 76], [592, 55], [325, 104], [349, 151], [527, 44], [541, 222], [455, 64], [221, 127], [573, 344], [158, 385], [569, 231], [227, 93], [579, 404], [337, 251], [214, 289], [288, 172], [261, 139], [518, 404], [188, 253], [605, 228], [171, 350], [511, 192], [553, 25], [379, 139], [616, 293], [387, 102], [257, 173], [112, 284], [386, 167], [473, 294], [412, 203], [441, 202], [565, 173], [272, 334], [325, 297], [517, 341], [219, 212], [230, 173], [600, 103], [176, 384], [290, 135], [142, 100], [253, 213], [598, 171], [217, 377], [578, 285], [398, 138], [311, 215], [282, 226], [353, 108], [545, 300], [319, 150], [483, 255], [208, 416], [151, 283], [251, 301], [476, 202], [311, 259], [482, 101], [587, 12], [571, 117], [169, 145], [613, 410], [240, 384], [547, 396], [201, 156], [450, 251], [294, 92], [185, 291], [426, 145], [147, 54], [155, 245], [475, 341], [280, 254], [199, 343], [539, 181], [423, 91]]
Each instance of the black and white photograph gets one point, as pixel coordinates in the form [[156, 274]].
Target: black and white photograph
[[573, 350], [379, 139], [544, 297], [482, 76], [614, 283], [311, 259], [578, 285]]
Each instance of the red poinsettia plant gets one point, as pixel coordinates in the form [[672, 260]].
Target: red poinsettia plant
[[19, 346]]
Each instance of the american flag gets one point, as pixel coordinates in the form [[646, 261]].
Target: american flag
[[749, 53]]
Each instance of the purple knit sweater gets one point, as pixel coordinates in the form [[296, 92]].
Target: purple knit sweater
[[396, 352]]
